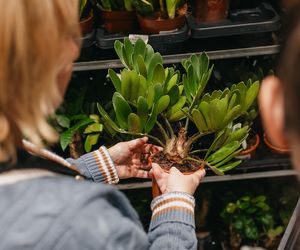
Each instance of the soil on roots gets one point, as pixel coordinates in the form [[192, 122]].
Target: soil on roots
[[167, 164]]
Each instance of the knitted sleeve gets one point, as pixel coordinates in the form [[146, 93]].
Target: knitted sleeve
[[97, 166]]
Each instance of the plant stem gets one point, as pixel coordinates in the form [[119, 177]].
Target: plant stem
[[197, 136], [161, 4], [142, 135], [187, 123], [198, 151], [172, 134], [163, 131], [196, 160]]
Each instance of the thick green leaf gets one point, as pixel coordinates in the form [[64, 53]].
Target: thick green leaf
[[115, 79], [174, 94], [118, 46], [162, 104], [139, 49], [134, 123], [158, 92], [151, 121], [126, 84], [228, 158], [95, 127], [171, 83], [178, 115], [107, 118], [219, 137], [122, 109], [232, 114], [142, 110], [150, 96], [128, 48], [158, 74], [223, 152], [90, 141], [199, 120], [141, 66], [251, 95], [230, 166], [204, 109], [149, 55], [216, 170], [155, 60], [176, 107], [204, 63]]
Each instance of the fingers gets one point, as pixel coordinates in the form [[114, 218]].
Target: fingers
[[198, 175], [157, 171], [143, 174]]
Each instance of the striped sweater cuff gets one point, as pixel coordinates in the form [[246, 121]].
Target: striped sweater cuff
[[100, 166], [173, 207]]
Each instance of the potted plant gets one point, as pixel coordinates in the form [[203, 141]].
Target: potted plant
[[165, 15], [174, 110], [116, 15], [251, 221], [86, 17], [211, 10]]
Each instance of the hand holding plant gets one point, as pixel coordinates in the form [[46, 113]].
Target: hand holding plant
[[131, 158], [175, 181]]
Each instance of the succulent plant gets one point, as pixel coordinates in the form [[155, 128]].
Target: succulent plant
[[150, 97]]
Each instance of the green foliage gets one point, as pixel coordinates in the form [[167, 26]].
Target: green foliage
[[111, 5], [147, 7], [85, 8], [147, 93], [251, 218]]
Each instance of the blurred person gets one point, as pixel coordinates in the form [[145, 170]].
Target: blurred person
[[42, 205]]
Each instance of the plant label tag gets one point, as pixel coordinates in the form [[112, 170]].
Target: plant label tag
[[134, 37]]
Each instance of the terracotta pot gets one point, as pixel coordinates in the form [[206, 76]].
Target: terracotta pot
[[288, 4], [282, 149], [86, 25], [155, 25], [211, 10], [118, 21], [249, 152]]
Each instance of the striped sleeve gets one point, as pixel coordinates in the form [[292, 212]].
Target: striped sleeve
[[173, 207], [97, 166]]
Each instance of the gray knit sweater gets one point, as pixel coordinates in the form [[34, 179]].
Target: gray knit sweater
[[43, 210]]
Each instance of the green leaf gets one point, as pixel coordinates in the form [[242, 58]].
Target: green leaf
[[115, 79], [158, 92], [95, 118], [128, 51], [106, 118], [176, 107], [90, 141], [230, 166], [150, 96], [118, 46], [178, 115], [139, 50], [171, 83], [162, 104], [65, 139], [158, 74], [126, 83], [199, 120], [95, 127], [227, 159], [151, 121], [122, 109], [251, 95], [216, 141], [223, 152], [174, 94], [63, 121], [204, 109], [142, 110], [155, 60], [134, 123], [230, 208], [141, 66]]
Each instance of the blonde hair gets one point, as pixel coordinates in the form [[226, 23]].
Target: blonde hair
[[31, 37]]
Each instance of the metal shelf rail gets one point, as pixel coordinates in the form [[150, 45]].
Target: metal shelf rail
[[234, 177], [176, 58]]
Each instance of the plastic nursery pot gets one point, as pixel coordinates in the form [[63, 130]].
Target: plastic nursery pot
[[211, 10], [118, 21], [250, 151], [86, 25], [282, 149], [156, 24], [155, 189]]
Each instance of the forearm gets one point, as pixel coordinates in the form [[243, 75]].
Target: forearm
[[172, 224], [97, 166]]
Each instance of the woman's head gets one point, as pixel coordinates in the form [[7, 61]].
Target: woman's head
[[280, 95], [38, 42]]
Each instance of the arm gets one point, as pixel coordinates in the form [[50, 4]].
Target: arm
[[173, 224], [121, 161]]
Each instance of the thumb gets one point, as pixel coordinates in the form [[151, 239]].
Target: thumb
[[133, 144], [157, 171], [175, 171]]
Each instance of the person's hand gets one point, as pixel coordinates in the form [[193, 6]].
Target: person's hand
[[131, 158], [175, 181]]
